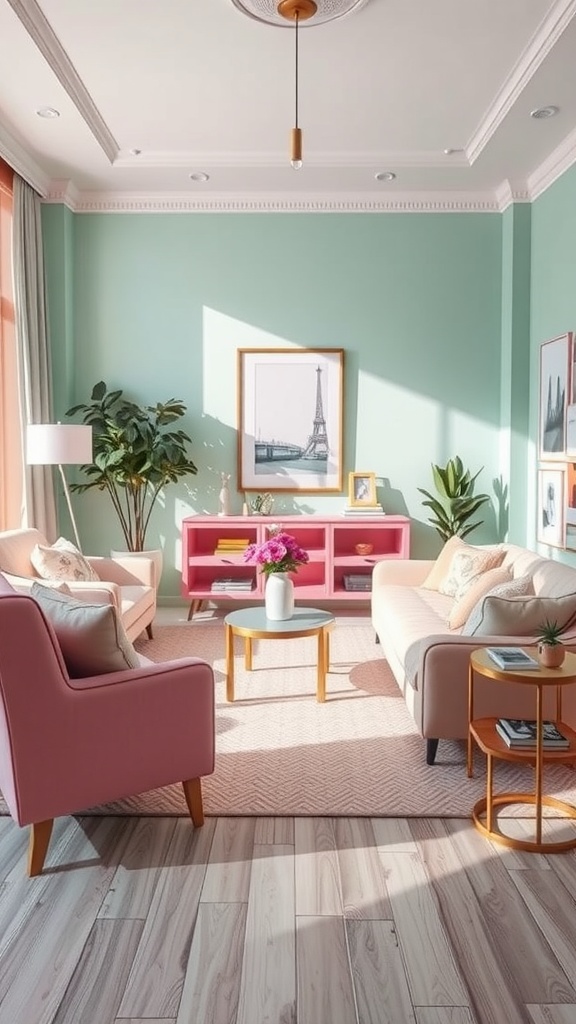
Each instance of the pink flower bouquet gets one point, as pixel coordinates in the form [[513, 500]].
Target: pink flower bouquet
[[280, 553]]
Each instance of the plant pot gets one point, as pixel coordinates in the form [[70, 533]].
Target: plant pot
[[551, 655], [154, 554], [279, 597]]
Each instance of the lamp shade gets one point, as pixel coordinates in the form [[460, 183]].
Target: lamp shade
[[58, 444]]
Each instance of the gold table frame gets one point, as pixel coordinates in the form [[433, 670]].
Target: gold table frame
[[483, 732]]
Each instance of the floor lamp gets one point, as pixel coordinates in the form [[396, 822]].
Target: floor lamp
[[59, 444]]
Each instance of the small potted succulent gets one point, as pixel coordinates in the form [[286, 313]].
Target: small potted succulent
[[550, 649]]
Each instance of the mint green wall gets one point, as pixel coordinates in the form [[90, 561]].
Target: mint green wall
[[553, 295], [162, 303]]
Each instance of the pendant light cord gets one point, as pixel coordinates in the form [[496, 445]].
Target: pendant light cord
[[296, 90]]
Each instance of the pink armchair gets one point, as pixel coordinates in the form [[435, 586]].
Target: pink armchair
[[69, 744]]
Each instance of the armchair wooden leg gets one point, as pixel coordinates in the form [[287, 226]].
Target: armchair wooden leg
[[193, 793], [149, 631], [40, 833]]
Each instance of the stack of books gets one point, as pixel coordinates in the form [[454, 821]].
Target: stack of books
[[521, 733], [363, 511], [232, 583], [357, 581], [231, 545], [512, 658]]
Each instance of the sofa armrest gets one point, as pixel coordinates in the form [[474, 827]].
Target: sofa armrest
[[409, 572], [127, 572], [103, 591]]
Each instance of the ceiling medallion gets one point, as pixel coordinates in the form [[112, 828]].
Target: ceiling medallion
[[268, 11]]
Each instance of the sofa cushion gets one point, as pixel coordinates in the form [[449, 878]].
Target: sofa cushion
[[520, 587], [523, 616], [466, 565], [91, 636], [62, 561], [478, 588], [439, 570]]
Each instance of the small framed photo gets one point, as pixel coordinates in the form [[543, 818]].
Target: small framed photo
[[361, 488], [551, 506], [570, 538]]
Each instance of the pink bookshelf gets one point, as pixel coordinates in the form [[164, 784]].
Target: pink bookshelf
[[329, 540]]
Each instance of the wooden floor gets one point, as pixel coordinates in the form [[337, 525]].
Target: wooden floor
[[284, 921]]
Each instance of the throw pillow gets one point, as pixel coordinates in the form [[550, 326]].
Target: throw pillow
[[91, 636], [479, 587], [465, 566], [523, 616], [519, 587], [439, 570], [62, 561]]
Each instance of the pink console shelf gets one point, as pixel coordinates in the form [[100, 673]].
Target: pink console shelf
[[334, 571]]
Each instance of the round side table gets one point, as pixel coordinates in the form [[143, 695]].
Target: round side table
[[483, 732]]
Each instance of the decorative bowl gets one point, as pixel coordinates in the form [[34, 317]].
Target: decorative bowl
[[364, 549]]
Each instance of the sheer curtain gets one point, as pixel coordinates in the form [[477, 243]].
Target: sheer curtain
[[11, 475], [33, 357]]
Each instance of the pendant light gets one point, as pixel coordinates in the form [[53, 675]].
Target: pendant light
[[296, 11]]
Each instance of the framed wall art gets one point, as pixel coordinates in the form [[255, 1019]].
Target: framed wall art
[[361, 488], [551, 505], [570, 517], [290, 419], [555, 363]]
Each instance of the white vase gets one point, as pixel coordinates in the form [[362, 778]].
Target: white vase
[[279, 597]]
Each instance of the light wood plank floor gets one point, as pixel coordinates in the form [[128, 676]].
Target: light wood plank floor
[[284, 921]]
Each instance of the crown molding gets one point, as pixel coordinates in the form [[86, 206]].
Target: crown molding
[[559, 161], [14, 154], [509, 192], [183, 202], [65, 193], [543, 41], [40, 31]]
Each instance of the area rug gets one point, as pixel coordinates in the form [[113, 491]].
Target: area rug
[[279, 752]]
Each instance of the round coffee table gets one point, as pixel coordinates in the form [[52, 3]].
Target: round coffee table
[[252, 624]]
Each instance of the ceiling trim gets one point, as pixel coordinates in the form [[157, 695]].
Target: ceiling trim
[[563, 157], [542, 42], [41, 32], [176, 202], [13, 153], [360, 158]]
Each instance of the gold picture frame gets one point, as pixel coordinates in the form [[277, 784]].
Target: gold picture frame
[[290, 419], [361, 489]]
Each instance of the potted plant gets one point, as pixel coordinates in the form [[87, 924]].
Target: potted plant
[[550, 649], [457, 503], [135, 455]]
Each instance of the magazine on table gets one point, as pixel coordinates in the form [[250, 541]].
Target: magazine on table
[[521, 732], [512, 657]]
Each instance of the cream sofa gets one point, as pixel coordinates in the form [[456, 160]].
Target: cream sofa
[[430, 661], [128, 583]]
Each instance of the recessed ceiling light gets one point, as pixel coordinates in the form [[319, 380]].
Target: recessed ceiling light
[[135, 152], [199, 176], [541, 113], [385, 176], [48, 112]]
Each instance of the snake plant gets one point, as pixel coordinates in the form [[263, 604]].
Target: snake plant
[[453, 510]]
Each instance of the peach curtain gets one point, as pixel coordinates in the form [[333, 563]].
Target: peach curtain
[[11, 456]]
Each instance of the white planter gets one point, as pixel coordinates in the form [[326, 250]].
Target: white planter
[[279, 597], [154, 554]]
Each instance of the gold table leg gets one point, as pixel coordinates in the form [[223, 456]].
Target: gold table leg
[[539, 764], [322, 665], [229, 663], [489, 791], [469, 759], [248, 653]]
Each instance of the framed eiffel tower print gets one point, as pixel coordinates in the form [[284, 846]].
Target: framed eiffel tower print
[[290, 419]]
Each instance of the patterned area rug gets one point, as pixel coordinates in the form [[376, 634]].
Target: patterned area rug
[[279, 752]]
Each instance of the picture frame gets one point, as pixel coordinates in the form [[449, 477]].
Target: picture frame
[[570, 513], [361, 489], [556, 367], [551, 506], [290, 419]]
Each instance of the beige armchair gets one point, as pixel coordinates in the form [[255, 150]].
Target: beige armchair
[[127, 583]]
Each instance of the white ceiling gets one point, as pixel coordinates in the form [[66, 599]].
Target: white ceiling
[[195, 85]]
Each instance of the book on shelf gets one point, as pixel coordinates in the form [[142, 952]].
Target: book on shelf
[[521, 732], [363, 511], [357, 581], [232, 583], [511, 658]]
